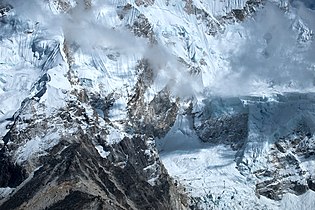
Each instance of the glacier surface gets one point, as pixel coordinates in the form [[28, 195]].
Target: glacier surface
[[261, 66]]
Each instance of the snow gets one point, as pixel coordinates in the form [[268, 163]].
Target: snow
[[26, 53], [15, 84], [252, 58], [119, 109], [58, 89], [36, 146], [293, 202], [153, 168], [210, 173], [205, 169], [227, 71], [115, 135], [5, 191], [101, 151], [308, 165]]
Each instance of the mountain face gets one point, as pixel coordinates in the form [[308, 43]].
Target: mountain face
[[157, 104]]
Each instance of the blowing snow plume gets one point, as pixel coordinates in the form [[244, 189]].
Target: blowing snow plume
[[81, 27], [276, 53], [170, 72]]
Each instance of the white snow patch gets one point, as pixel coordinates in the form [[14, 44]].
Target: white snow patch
[[36, 146], [309, 165], [119, 109], [210, 172], [58, 89], [115, 135], [293, 202], [5, 191], [101, 151]]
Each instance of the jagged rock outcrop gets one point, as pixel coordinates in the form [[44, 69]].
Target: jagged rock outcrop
[[231, 130], [66, 158], [88, 88], [286, 172], [73, 175], [224, 121]]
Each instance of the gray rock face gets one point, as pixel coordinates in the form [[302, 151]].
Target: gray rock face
[[65, 147], [286, 172], [231, 130], [224, 121], [11, 174], [288, 126], [66, 160], [73, 175], [247, 123], [157, 117]]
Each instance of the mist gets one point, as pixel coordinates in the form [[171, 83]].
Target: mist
[[90, 30], [170, 72], [277, 53], [32, 10]]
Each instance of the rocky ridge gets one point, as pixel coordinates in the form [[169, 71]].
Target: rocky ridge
[[89, 142]]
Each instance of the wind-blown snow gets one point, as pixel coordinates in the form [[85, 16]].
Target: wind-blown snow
[[268, 53]]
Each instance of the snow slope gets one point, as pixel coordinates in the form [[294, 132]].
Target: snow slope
[[219, 177], [201, 51]]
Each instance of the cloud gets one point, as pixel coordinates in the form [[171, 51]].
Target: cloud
[[307, 3], [32, 10], [81, 27], [89, 35], [170, 72], [273, 55]]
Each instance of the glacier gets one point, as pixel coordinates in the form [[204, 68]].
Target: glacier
[[213, 99]]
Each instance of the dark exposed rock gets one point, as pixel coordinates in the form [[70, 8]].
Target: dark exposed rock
[[217, 124], [156, 117], [231, 130], [282, 176], [271, 192], [4, 8], [280, 147], [164, 113], [311, 183], [80, 200], [142, 28], [11, 174], [144, 2], [101, 105], [238, 14], [281, 168], [299, 188], [73, 175], [215, 26]]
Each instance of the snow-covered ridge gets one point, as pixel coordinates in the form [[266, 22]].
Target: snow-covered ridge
[[195, 70]]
